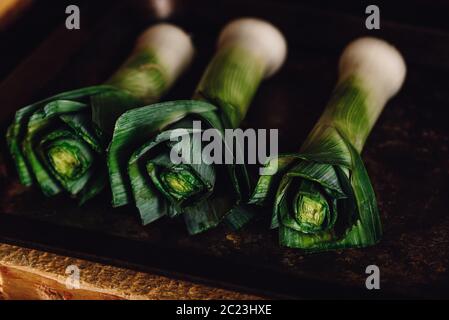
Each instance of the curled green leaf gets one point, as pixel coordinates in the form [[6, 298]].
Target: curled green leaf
[[141, 170], [55, 144], [322, 197]]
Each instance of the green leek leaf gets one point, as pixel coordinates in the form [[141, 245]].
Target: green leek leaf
[[60, 142], [140, 168], [322, 197], [55, 144]]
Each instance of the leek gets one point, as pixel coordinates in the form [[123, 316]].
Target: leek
[[322, 197], [140, 167], [60, 142]]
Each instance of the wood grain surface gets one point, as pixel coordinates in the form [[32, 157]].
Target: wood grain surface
[[27, 274]]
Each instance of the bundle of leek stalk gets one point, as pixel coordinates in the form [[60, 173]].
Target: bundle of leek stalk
[[204, 193], [322, 199], [60, 143]]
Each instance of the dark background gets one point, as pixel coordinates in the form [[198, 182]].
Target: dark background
[[406, 154]]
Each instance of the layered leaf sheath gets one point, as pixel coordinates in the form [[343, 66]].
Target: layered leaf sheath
[[141, 162], [322, 197], [60, 142]]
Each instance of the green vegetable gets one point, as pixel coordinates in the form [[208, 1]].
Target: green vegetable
[[322, 197], [60, 142], [140, 167]]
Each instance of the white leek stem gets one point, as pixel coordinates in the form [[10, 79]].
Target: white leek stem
[[161, 54], [371, 71], [248, 50], [171, 45], [378, 66], [260, 38]]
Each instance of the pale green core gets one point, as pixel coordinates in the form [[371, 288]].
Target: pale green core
[[65, 161], [311, 212], [180, 183]]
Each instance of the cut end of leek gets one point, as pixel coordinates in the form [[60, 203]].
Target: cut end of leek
[[179, 182], [376, 63], [260, 37], [311, 213], [66, 162], [311, 209], [172, 46]]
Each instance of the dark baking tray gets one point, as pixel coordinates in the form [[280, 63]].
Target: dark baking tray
[[406, 156]]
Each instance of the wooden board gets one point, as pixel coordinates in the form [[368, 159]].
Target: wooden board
[[27, 274]]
